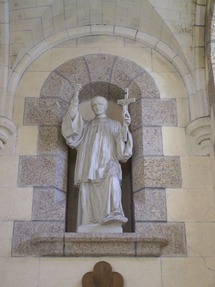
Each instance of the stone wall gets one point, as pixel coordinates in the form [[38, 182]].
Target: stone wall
[[181, 184]]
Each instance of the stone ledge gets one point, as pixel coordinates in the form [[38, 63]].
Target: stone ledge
[[125, 244], [95, 244]]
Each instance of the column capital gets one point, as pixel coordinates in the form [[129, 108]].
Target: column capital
[[7, 128], [199, 136]]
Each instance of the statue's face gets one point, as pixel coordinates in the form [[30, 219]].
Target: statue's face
[[99, 106]]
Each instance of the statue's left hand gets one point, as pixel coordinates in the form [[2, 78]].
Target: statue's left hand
[[127, 118]]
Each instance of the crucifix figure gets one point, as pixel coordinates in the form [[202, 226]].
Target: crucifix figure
[[125, 113]]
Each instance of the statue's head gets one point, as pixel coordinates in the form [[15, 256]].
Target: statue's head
[[99, 105]]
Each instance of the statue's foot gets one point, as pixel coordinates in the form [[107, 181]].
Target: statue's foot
[[114, 218]]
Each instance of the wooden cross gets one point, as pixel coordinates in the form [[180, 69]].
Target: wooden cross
[[125, 113], [102, 276]]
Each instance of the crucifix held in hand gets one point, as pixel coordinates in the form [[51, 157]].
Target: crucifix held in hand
[[125, 113]]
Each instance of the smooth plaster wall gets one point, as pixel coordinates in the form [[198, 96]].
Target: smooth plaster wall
[[193, 203]]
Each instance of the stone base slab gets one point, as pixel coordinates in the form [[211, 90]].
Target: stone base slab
[[98, 228]]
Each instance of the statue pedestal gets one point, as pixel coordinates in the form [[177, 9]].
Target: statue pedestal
[[97, 228]]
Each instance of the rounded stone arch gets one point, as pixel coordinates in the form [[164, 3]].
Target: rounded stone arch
[[103, 74]]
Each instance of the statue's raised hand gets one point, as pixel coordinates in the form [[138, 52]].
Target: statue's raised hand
[[75, 100], [78, 88]]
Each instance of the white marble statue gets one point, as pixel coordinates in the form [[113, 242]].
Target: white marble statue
[[100, 146]]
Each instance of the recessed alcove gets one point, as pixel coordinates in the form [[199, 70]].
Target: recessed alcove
[[152, 172]]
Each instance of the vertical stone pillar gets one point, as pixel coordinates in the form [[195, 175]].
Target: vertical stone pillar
[[199, 130], [7, 128]]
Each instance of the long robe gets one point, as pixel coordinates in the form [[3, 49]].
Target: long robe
[[98, 174]]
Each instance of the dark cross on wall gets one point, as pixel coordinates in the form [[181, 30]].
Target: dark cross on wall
[[102, 276]]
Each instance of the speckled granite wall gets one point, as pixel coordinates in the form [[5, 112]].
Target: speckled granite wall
[[47, 171]]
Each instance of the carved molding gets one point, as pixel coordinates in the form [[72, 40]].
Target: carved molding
[[7, 128], [102, 276], [199, 136]]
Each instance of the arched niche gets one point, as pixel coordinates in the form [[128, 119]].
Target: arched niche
[[114, 111], [152, 172], [108, 76]]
